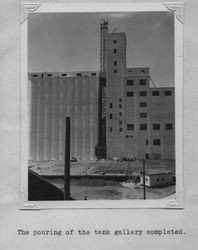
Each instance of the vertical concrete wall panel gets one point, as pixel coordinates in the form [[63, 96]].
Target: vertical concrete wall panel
[[52, 99]]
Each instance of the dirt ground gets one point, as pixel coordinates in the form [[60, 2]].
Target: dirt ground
[[56, 168], [97, 189]]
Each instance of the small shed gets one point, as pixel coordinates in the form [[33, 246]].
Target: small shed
[[157, 177]]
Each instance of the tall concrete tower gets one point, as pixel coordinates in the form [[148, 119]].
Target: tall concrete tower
[[115, 92]]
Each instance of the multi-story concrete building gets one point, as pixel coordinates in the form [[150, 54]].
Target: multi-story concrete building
[[140, 119], [114, 113]]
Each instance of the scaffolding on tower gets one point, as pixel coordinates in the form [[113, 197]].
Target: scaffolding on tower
[[103, 37]]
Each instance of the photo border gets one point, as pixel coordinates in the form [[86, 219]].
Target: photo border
[[176, 200]]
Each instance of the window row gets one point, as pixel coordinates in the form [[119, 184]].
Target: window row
[[130, 82], [154, 93], [143, 126]]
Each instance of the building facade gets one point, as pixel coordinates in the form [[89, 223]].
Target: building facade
[[140, 119], [53, 96], [114, 113]]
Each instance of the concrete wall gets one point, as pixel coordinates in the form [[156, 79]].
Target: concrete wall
[[53, 98], [115, 140]]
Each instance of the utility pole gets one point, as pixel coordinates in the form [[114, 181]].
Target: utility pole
[[143, 175], [67, 160]]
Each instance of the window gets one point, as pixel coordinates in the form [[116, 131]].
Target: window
[[120, 106], [78, 74], [167, 92], [146, 141], [120, 129], [64, 75], [169, 126], [130, 93], [130, 82], [110, 129], [111, 116], [111, 105], [120, 113], [155, 93], [142, 72], [120, 122], [35, 75], [162, 179], [142, 82], [143, 104], [143, 115], [120, 99], [156, 142], [158, 179], [156, 126], [130, 126], [115, 71], [115, 63], [146, 179], [143, 126], [49, 75], [114, 41], [115, 51], [93, 74], [142, 93]]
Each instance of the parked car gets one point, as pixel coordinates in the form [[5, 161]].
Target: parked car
[[73, 159], [131, 158]]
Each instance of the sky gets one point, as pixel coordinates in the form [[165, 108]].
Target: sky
[[71, 42]]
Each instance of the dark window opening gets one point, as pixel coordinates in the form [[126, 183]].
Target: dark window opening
[[130, 93], [115, 51], [93, 74], [143, 126], [120, 129], [111, 116], [156, 142], [115, 63], [120, 122], [156, 126], [120, 106], [64, 75], [120, 113], [49, 75], [169, 126], [115, 71], [143, 115], [114, 41], [111, 105], [79, 74], [110, 129], [130, 82], [142, 82], [155, 93], [143, 104], [120, 99], [146, 141], [142, 93], [35, 75], [167, 93], [130, 126]]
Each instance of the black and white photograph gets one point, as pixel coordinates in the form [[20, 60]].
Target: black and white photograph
[[101, 96]]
